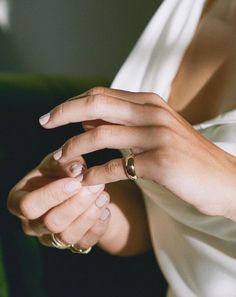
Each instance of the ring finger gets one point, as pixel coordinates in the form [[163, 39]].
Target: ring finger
[[91, 237], [82, 224]]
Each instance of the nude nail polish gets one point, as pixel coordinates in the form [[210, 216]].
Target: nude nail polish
[[57, 154], [44, 119], [105, 214], [96, 188], [76, 169], [101, 200], [80, 177]]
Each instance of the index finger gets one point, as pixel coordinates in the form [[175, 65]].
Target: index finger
[[113, 106]]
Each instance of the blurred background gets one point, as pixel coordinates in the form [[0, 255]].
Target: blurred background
[[51, 50], [75, 37]]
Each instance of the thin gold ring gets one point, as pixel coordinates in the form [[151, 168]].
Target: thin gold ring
[[129, 167], [57, 243], [78, 250]]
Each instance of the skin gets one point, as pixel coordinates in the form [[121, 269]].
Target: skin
[[42, 202], [174, 155], [186, 161], [46, 204]]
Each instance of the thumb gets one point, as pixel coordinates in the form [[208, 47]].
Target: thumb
[[51, 168]]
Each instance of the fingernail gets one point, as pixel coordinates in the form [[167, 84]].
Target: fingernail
[[95, 189], [76, 169], [72, 186], [101, 200], [44, 119], [105, 214], [57, 154], [80, 177]]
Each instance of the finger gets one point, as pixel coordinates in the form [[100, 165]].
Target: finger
[[109, 136], [25, 224], [147, 165], [45, 240], [33, 205], [60, 217], [109, 172], [106, 108], [96, 232], [50, 168], [83, 223], [91, 237], [135, 97]]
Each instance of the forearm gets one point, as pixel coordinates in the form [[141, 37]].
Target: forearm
[[128, 232]]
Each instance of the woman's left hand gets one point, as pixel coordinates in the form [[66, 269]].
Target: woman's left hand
[[168, 150]]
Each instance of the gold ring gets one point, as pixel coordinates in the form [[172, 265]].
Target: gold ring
[[57, 243], [78, 250], [129, 167]]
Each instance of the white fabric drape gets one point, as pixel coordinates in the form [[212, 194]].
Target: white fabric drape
[[196, 253]]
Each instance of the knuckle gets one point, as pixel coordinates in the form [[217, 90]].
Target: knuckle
[[97, 90], [95, 102], [59, 111], [51, 224], [27, 209], [102, 133], [165, 136], [154, 98], [112, 168], [70, 145]]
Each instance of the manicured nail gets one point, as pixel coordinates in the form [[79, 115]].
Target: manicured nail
[[80, 177], [101, 200], [95, 189], [105, 214], [44, 119], [57, 154], [72, 186], [76, 169]]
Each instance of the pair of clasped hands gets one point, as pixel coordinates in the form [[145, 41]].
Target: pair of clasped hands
[[63, 197]]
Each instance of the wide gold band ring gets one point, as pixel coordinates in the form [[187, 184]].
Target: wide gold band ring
[[129, 167]]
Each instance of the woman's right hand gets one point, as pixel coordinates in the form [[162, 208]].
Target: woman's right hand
[[49, 202]]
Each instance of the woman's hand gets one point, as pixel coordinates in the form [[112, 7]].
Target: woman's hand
[[167, 149], [47, 201]]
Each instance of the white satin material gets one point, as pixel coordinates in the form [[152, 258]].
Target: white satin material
[[196, 253]]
